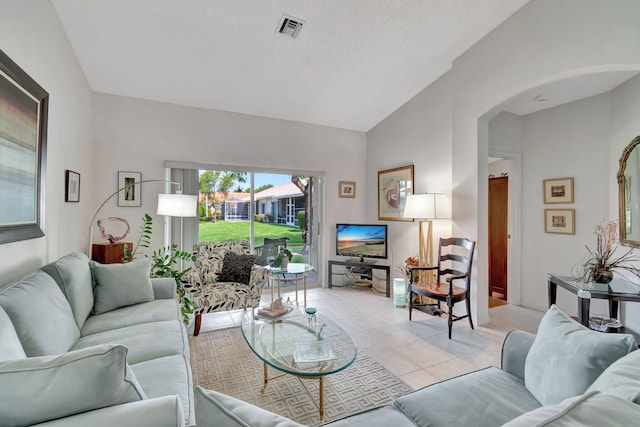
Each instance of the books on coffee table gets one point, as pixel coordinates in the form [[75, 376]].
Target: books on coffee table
[[312, 351]]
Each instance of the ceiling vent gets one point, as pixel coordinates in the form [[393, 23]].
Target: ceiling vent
[[290, 26]]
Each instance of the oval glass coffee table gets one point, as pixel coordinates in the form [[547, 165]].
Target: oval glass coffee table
[[300, 344]]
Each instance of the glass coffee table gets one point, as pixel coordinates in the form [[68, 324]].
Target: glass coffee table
[[305, 345]]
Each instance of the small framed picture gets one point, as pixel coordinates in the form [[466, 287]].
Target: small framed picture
[[560, 221], [129, 186], [559, 190], [347, 189], [71, 186]]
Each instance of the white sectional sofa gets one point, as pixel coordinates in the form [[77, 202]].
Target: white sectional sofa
[[83, 344], [86, 344]]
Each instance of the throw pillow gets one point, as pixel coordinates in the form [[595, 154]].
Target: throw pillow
[[121, 285], [589, 409], [215, 409], [621, 379], [40, 314], [566, 357], [44, 388], [236, 268], [11, 347]]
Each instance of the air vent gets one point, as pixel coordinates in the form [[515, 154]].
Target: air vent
[[290, 26]]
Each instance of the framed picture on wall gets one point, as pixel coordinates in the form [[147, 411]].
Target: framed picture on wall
[[559, 190], [129, 182], [71, 186], [347, 189], [393, 187], [560, 221], [24, 106]]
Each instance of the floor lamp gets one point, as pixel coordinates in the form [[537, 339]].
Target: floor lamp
[[178, 203], [425, 208]]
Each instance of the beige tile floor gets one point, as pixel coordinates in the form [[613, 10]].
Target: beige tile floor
[[418, 352]]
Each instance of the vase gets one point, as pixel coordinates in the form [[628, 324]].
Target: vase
[[602, 276], [285, 262]]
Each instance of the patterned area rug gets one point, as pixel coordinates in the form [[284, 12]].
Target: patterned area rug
[[221, 360]]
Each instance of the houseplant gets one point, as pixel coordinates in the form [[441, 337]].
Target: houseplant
[[280, 258], [599, 263]]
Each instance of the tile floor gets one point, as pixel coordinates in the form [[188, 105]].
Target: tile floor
[[418, 352]]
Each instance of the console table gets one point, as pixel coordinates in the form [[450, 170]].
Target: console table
[[614, 291], [364, 266]]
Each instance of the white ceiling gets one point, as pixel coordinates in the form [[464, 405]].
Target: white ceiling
[[564, 91], [353, 64]]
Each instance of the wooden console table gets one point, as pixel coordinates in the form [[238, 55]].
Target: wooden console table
[[614, 291], [365, 266], [109, 253]]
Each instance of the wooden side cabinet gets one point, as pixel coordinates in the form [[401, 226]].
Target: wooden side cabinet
[[109, 253]]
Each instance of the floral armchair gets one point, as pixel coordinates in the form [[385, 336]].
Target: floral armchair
[[225, 277]]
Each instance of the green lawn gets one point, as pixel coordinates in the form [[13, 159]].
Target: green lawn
[[223, 231]]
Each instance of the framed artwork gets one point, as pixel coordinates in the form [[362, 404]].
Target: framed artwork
[[558, 190], [560, 221], [129, 184], [23, 138], [393, 187], [347, 189], [71, 186]]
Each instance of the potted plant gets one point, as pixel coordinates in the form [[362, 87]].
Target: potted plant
[[599, 263], [283, 258]]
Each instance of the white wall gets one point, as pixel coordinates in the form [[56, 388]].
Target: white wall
[[419, 134], [136, 135], [531, 48], [566, 141], [32, 37]]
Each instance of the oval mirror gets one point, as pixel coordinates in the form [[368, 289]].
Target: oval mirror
[[629, 194]]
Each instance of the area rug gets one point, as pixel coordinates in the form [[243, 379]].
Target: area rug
[[221, 360]]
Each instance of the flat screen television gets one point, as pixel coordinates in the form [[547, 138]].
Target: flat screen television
[[361, 240]]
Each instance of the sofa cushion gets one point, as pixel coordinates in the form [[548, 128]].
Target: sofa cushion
[[145, 341], [43, 388], [491, 398], [566, 357], [121, 285], [383, 416], [146, 312], [621, 379], [236, 268], [215, 409], [174, 380], [589, 409], [73, 275], [40, 314], [10, 347], [163, 411]]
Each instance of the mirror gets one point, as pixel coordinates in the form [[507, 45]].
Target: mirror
[[629, 194]]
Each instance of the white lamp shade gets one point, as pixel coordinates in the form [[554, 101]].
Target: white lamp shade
[[427, 206], [182, 205]]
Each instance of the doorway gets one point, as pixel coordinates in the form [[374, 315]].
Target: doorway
[[498, 232]]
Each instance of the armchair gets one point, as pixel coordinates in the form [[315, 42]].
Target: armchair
[[208, 283]]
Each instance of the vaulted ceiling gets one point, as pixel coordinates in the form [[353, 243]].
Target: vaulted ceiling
[[352, 64]]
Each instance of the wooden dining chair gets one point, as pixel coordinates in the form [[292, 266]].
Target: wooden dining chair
[[452, 282]]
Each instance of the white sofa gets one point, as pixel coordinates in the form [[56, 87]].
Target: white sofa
[[86, 344], [566, 375]]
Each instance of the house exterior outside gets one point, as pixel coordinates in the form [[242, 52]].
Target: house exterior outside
[[282, 201]]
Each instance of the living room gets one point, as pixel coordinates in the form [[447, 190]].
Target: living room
[[447, 131]]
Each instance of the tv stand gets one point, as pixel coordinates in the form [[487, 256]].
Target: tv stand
[[361, 260], [364, 268]]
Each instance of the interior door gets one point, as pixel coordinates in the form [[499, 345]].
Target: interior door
[[498, 234]]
